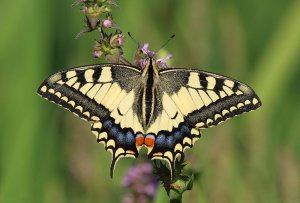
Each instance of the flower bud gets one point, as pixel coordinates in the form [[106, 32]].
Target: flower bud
[[117, 40], [107, 23]]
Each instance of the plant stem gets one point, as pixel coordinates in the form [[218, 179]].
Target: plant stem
[[177, 198]]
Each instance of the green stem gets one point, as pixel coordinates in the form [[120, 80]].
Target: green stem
[[175, 197]]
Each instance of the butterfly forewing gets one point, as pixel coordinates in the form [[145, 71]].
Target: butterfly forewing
[[104, 95]]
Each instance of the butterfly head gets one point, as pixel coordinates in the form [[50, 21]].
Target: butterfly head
[[150, 66]]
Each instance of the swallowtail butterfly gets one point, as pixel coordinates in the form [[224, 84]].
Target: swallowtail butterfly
[[161, 109]]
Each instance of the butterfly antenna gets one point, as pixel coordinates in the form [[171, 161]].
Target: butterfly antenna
[[129, 34], [165, 44]]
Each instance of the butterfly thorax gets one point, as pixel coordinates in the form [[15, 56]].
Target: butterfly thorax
[[149, 92]]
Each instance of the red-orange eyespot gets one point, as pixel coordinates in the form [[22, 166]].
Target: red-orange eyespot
[[139, 140], [150, 140]]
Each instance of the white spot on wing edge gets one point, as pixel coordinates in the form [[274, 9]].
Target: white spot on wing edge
[[199, 125], [79, 108], [72, 103], [95, 118], [44, 89], [240, 105], [51, 91], [195, 132], [238, 92], [217, 116], [97, 125], [187, 140], [195, 139], [233, 108], [110, 143], [87, 114], [254, 101], [60, 82], [209, 121], [103, 135], [178, 147], [64, 99], [247, 102], [169, 155], [119, 151], [58, 94], [224, 112]]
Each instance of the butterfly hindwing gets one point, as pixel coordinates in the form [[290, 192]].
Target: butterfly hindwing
[[193, 100], [104, 95]]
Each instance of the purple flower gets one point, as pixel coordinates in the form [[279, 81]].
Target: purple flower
[[146, 51], [163, 61], [141, 182], [117, 40], [143, 63], [143, 55], [120, 39], [145, 48], [107, 23], [146, 168], [128, 198], [96, 54], [151, 189]]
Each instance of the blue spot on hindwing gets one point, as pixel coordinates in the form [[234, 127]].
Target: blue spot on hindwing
[[129, 138], [184, 129], [160, 140], [177, 135], [107, 124], [114, 131], [120, 138], [170, 141]]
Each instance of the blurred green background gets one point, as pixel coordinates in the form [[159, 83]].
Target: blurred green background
[[49, 155]]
